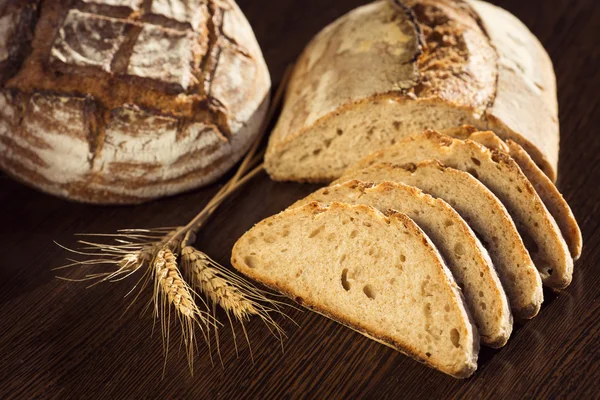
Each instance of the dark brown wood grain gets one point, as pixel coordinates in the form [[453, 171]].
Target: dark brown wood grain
[[61, 340]]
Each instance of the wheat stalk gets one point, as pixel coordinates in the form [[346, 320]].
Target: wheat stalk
[[155, 251], [133, 249]]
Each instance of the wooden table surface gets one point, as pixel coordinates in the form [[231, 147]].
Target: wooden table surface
[[61, 340]]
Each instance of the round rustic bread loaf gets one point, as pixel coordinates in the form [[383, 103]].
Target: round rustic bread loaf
[[394, 68], [122, 101]]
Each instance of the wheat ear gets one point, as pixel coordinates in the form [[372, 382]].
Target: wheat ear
[[171, 291], [236, 296], [207, 279]]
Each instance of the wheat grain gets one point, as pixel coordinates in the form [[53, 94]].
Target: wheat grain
[[207, 280], [171, 290], [168, 281], [235, 295]]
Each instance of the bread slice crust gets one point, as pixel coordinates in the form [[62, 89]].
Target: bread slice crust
[[319, 287], [552, 198]]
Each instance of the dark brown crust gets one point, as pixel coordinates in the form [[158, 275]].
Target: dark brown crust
[[467, 7], [23, 153], [115, 90], [111, 187], [209, 64], [111, 90], [413, 20], [87, 190], [83, 191]]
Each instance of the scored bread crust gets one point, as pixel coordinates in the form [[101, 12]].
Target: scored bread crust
[[332, 117], [500, 173], [489, 219], [545, 188], [244, 246], [469, 263], [123, 103]]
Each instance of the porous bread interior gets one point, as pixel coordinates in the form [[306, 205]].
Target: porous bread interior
[[465, 257], [375, 273], [322, 152], [499, 173], [486, 216]]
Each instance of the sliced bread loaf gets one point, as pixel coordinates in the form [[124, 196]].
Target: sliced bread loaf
[[391, 69], [501, 174], [465, 256], [545, 188], [380, 275], [484, 213]]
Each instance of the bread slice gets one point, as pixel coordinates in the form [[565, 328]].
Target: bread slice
[[545, 188], [380, 275], [465, 256], [501, 174], [484, 213]]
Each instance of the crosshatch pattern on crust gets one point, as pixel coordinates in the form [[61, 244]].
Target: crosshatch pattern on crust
[[173, 71]]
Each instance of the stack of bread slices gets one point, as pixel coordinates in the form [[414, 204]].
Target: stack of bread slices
[[430, 246]]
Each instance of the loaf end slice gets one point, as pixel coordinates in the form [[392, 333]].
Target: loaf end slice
[[379, 275]]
